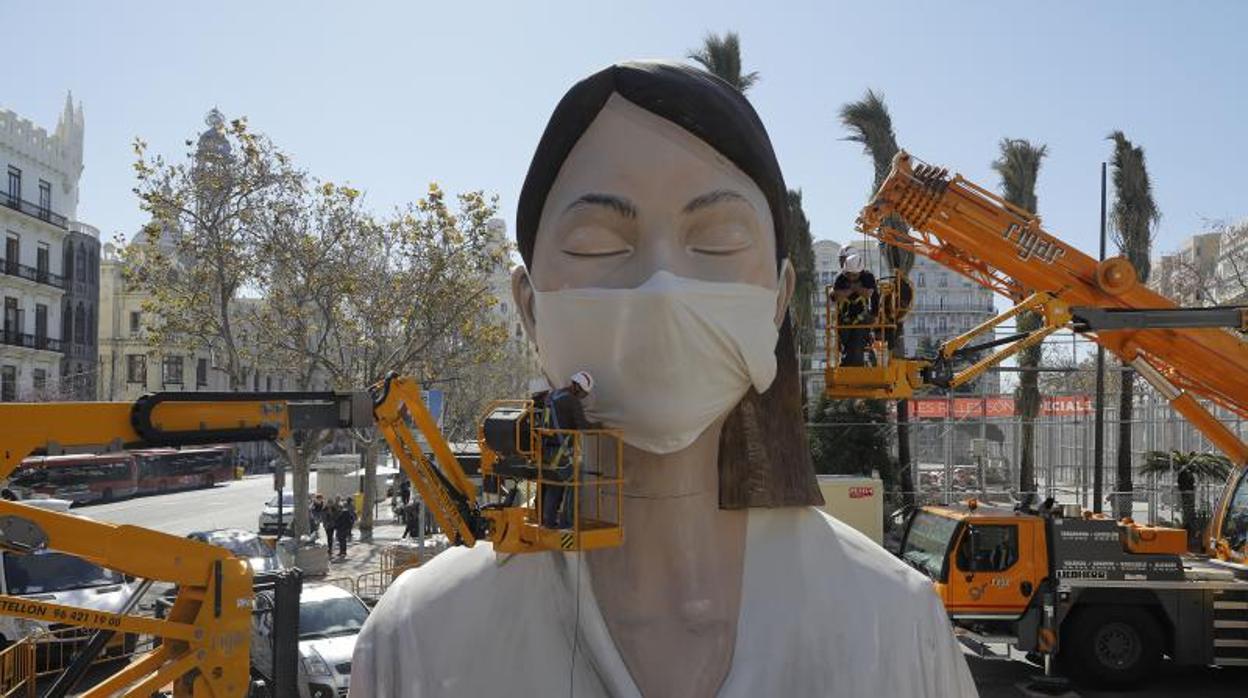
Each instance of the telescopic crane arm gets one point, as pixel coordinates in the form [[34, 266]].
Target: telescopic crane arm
[[1187, 354]]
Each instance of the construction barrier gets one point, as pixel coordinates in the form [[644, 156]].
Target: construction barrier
[[17, 670]]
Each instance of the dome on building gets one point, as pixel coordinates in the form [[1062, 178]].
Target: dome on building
[[213, 141]]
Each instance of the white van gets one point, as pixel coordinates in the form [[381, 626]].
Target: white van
[[57, 578]]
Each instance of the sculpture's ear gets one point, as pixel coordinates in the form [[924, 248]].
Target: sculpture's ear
[[522, 295], [785, 283]]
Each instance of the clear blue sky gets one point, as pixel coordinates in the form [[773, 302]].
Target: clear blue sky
[[389, 96]]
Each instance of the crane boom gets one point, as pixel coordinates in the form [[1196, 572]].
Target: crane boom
[[1186, 354]]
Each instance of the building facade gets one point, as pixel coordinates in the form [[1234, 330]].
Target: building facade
[[1231, 277], [1189, 276], [80, 313], [38, 207]]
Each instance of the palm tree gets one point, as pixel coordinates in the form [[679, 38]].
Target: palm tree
[[870, 124], [1019, 166], [721, 56], [1188, 469], [1132, 219]]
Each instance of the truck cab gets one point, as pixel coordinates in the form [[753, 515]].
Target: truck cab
[[985, 562]]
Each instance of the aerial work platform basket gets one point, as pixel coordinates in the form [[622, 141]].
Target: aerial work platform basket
[[521, 461], [880, 375]]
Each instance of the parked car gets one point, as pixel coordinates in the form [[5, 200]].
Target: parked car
[[269, 522], [56, 577], [244, 544], [330, 619]]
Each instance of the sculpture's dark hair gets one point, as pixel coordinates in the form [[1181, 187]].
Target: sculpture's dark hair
[[764, 458]]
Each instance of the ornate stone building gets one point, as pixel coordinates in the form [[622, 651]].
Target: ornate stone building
[[49, 261]]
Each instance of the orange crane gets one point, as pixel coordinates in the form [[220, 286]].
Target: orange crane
[[1186, 354], [1105, 598]]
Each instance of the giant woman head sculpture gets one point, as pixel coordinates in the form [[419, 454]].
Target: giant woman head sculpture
[[651, 224]]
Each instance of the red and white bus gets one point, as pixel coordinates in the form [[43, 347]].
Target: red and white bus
[[168, 469], [78, 478], [106, 476]]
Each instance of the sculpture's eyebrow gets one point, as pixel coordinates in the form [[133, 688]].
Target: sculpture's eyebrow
[[714, 197], [619, 204]]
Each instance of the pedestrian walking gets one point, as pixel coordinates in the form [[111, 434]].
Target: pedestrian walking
[[328, 516], [317, 514], [344, 520]]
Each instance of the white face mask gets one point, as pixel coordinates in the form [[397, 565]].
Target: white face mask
[[668, 357]]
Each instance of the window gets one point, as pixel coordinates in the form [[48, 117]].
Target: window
[[12, 252], [41, 325], [80, 324], [988, 548], [943, 280], [134, 321], [8, 383], [1235, 524], [136, 369], [67, 323], [15, 186], [922, 280], [12, 318], [201, 372], [81, 271], [67, 261], [171, 370], [268, 383], [45, 199], [40, 378], [255, 381], [42, 256]]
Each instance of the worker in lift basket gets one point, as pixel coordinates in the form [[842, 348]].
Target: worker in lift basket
[[563, 411], [857, 302]]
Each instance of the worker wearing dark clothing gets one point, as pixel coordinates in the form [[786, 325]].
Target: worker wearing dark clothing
[[857, 301], [344, 520], [317, 515], [411, 520], [563, 411]]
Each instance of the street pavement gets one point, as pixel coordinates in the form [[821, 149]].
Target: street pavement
[[234, 504], [1010, 679]]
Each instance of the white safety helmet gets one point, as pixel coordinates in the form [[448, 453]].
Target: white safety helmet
[[853, 264], [584, 381]]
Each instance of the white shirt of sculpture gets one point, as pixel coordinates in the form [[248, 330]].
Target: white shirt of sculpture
[[824, 612]]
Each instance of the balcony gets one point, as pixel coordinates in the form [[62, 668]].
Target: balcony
[[29, 341], [33, 210], [39, 276]]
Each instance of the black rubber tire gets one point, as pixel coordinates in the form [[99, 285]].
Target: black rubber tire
[[1112, 646]]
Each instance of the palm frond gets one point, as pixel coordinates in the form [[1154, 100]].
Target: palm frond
[[1019, 167], [1134, 216], [721, 56], [1211, 467], [870, 124]]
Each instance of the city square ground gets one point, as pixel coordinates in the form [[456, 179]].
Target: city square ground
[[238, 504]]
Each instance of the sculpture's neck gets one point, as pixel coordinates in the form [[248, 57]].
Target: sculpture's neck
[[671, 593]]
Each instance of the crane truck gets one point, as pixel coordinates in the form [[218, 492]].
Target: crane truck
[[1105, 598], [203, 648]]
